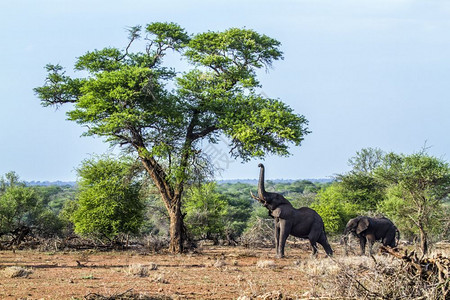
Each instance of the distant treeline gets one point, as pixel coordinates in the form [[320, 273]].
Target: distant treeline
[[50, 183], [255, 181], [247, 181]]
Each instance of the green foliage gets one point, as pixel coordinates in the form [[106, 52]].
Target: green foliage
[[360, 186], [124, 96], [334, 208], [417, 186], [258, 212], [232, 49], [109, 201], [24, 207], [395, 207], [56, 196], [205, 212], [156, 220], [165, 116], [19, 205], [260, 126], [362, 189], [300, 193], [366, 160], [239, 207], [171, 35], [356, 192], [10, 179], [217, 211]]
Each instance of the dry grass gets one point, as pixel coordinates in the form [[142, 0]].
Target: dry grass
[[13, 272], [266, 264], [127, 295], [442, 248], [220, 263], [274, 295], [139, 270], [355, 277], [160, 279]]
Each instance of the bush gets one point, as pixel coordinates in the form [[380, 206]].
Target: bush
[[334, 209], [23, 212], [205, 212], [109, 202]]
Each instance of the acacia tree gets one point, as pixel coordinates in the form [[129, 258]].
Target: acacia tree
[[133, 100], [416, 185]]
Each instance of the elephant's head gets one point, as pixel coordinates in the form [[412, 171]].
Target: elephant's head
[[270, 200], [356, 225]]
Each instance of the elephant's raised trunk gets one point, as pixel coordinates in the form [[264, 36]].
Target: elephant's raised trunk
[[261, 190]]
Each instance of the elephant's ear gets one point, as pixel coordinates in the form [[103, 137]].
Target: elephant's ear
[[282, 212], [363, 224]]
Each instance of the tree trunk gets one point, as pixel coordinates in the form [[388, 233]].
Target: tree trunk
[[423, 240], [171, 199], [176, 227]]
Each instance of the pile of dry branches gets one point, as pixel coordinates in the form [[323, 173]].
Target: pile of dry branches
[[433, 271], [259, 235]]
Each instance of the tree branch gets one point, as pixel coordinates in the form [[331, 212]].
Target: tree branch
[[203, 133]]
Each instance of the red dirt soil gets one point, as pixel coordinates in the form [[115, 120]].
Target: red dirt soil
[[214, 273]]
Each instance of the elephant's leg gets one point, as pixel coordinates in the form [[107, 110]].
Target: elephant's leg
[[371, 239], [362, 244], [389, 239], [313, 237], [284, 233], [370, 247], [324, 242], [277, 235], [314, 248]]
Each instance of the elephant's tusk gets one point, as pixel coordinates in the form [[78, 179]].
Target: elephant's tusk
[[254, 197], [257, 198]]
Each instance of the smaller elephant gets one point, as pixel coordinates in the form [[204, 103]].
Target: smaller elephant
[[370, 230]]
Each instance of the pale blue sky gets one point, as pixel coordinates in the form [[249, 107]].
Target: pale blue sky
[[364, 73]]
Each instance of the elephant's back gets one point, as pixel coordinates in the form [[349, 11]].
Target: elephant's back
[[307, 213], [307, 210], [383, 226]]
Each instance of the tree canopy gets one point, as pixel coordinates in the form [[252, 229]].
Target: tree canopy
[[134, 100], [416, 185]]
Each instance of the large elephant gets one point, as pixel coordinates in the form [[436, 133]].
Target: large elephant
[[303, 222], [370, 230]]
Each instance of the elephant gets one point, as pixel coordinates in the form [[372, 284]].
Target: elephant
[[303, 222], [370, 230]]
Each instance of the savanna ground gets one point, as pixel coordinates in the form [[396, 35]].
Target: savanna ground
[[213, 272]]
